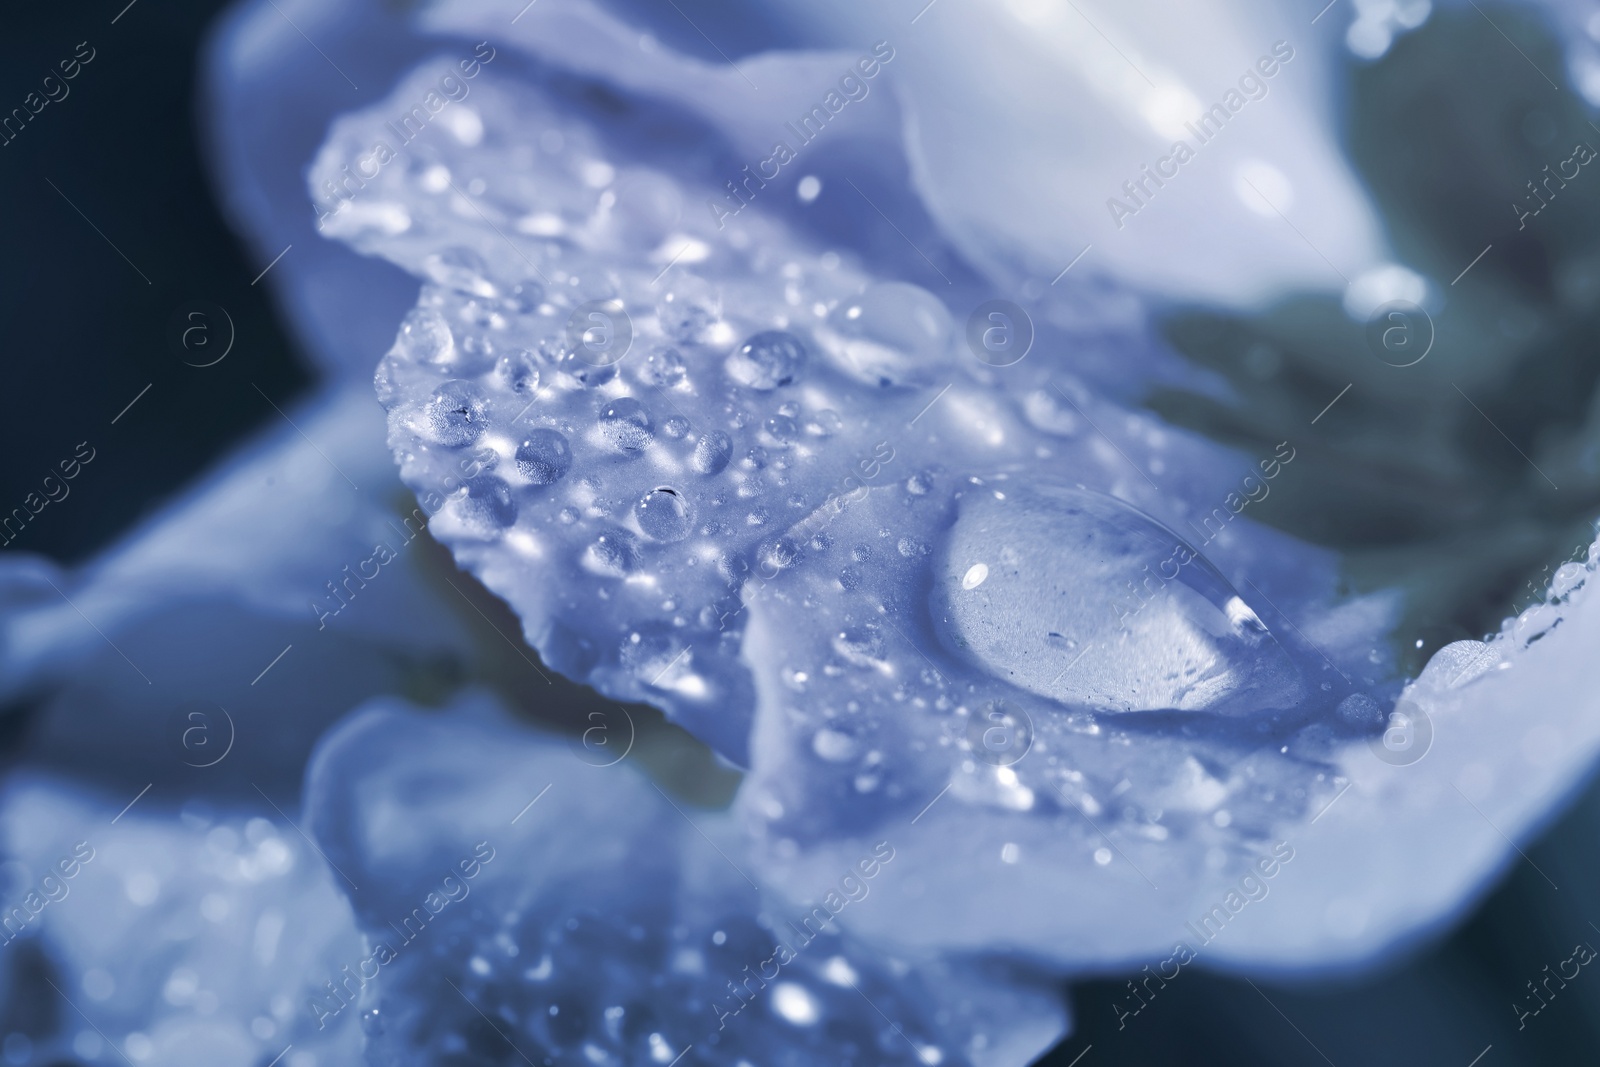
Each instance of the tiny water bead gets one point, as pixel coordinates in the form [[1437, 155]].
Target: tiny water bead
[[544, 456], [626, 425], [664, 514], [1081, 598], [590, 962], [767, 360], [457, 413]]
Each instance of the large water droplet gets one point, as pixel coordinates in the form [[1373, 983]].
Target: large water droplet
[[664, 514], [487, 507], [524, 297], [457, 413], [1086, 600], [576, 364], [767, 360], [651, 652], [662, 368], [544, 456], [518, 371], [626, 425], [712, 452], [892, 334], [613, 554], [425, 338], [690, 309]]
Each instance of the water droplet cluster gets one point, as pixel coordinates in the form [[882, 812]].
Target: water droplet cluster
[[577, 965], [719, 470]]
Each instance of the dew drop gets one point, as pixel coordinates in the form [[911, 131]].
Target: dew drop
[[518, 371], [425, 338], [614, 554], [824, 423], [662, 368], [1568, 577], [767, 360], [626, 426], [524, 298], [782, 427], [544, 456], [690, 310], [664, 515], [712, 452], [573, 364], [776, 555], [892, 334], [1162, 628], [457, 413], [487, 507], [648, 654]]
